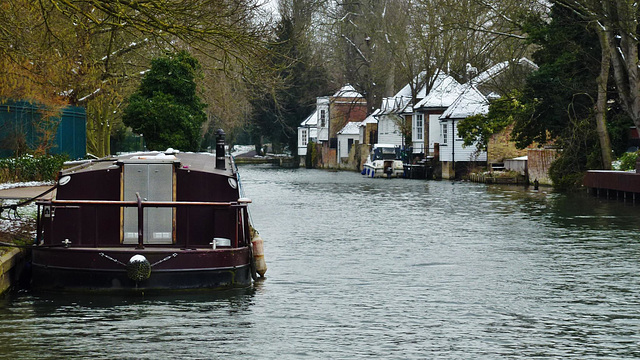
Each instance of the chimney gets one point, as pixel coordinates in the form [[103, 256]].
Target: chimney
[[220, 159]]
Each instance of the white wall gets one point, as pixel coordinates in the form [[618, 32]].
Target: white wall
[[388, 131], [453, 150], [303, 139], [343, 145], [434, 130], [322, 106]]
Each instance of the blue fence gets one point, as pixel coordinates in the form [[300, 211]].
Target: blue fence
[[19, 124]]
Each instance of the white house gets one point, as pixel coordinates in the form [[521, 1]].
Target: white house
[[390, 118], [425, 124], [347, 137], [369, 134], [322, 118], [307, 131], [470, 102], [330, 115]]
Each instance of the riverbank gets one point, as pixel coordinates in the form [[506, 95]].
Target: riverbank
[[17, 224], [20, 220], [11, 267]]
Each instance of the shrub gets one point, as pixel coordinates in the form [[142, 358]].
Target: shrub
[[30, 168], [628, 160]]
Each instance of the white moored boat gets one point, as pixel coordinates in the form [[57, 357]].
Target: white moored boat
[[384, 161]]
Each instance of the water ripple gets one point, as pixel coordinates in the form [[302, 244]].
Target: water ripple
[[376, 268]]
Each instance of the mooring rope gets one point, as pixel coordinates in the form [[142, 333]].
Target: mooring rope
[[14, 207]]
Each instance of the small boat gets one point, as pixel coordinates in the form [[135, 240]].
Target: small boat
[[145, 222], [384, 161]]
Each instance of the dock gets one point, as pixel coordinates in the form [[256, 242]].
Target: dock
[[623, 185]]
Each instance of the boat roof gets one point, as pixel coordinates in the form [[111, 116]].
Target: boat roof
[[201, 161]]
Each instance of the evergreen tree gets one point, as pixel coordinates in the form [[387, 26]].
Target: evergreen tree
[[563, 94], [166, 108]]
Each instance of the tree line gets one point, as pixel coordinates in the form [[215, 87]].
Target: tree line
[[257, 73]]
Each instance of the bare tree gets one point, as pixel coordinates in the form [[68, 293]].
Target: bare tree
[[93, 52]]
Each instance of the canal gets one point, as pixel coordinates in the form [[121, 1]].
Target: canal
[[376, 268]]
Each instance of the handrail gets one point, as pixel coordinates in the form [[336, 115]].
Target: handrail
[[240, 202], [140, 204]]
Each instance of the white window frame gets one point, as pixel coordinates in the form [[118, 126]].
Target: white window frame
[[444, 127], [303, 133], [323, 120], [419, 126]]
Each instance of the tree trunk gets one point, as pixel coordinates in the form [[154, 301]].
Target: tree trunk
[[624, 57], [601, 102]]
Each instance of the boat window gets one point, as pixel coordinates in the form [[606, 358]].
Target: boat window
[[154, 182]]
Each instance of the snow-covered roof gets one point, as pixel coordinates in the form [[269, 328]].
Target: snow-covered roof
[[470, 102], [406, 90], [351, 128], [370, 119], [490, 73], [444, 92], [498, 68], [311, 120], [394, 105], [347, 91]]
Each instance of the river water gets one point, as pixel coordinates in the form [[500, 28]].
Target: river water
[[377, 268]]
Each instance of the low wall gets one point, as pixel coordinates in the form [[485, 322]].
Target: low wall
[[11, 264], [488, 179]]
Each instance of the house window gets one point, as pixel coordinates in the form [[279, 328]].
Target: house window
[[322, 118], [443, 133], [419, 126], [303, 133]]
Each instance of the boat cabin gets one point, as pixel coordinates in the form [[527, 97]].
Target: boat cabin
[[186, 202]]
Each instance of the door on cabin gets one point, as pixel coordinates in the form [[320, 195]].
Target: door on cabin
[[154, 182]]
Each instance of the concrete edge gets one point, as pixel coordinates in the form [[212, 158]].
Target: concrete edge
[[8, 262]]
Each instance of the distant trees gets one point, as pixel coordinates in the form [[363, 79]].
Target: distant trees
[[166, 108], [299, 76], [568, 102]]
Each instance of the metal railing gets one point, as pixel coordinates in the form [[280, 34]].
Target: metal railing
[[141, 204]]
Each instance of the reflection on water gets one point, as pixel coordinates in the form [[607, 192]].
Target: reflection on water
[[377, 268], [118, 327]]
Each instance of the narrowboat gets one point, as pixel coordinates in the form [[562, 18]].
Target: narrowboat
[[384, 161], [145, 222]]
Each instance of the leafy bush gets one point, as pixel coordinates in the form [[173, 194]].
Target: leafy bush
[[628, 160], [30, 168], [565, 173], [311, 159]]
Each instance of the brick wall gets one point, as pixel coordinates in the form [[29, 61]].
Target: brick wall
[[538, 163], [501, 147], [328, 158]]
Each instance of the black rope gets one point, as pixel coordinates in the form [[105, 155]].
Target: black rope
[[14, 207]]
